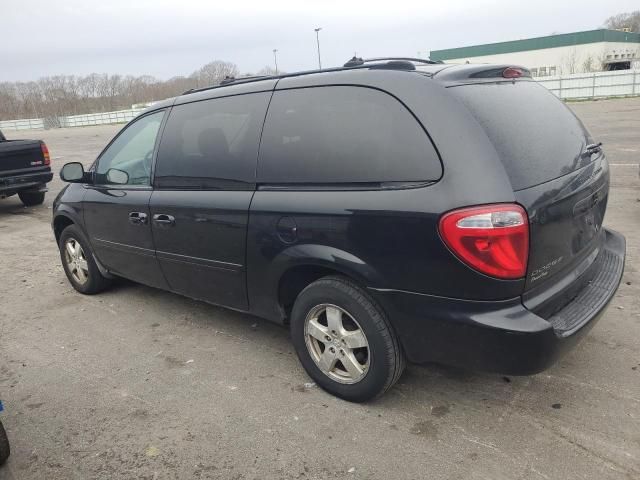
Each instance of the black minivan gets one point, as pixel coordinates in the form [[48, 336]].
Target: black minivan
[[387, 211]]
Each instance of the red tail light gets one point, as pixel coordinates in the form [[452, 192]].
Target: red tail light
[[45, 154], [493, 239], [512, 72]]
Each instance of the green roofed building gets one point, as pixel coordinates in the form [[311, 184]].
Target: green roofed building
[[566, 53]]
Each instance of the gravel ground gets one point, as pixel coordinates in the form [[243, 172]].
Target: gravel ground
[[140, 383]]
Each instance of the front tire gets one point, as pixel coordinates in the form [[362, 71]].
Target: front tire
[[78, 262], [31, 199], [344, 340]]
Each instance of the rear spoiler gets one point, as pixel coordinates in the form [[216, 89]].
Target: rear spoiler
[[479, 72]]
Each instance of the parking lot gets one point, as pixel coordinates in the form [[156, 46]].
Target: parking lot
[[140, 383]]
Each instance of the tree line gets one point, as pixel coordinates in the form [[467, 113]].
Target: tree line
[[62, 95]]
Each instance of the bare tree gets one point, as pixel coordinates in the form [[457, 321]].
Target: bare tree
[[589, 64], [268, 71], [31, 98], [570, 62], [630, 20], [214, 72], [10, 103], [59, 95]]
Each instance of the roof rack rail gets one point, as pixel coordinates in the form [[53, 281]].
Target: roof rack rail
[[392, 63], [227, 81], [231, 79], [356, 62]]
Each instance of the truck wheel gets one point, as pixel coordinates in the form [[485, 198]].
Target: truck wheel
[[78, 263], [31, 199], [5, 450], [344, 340]]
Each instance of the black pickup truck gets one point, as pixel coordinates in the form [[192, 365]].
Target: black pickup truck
[[25, 169]]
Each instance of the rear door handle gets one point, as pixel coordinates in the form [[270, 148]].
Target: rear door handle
[[162, 219], [138, 218]]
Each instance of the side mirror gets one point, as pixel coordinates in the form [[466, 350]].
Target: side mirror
[[72, 172], [117, 177]]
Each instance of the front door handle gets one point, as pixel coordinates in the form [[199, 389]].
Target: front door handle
[[164, 220], [593, 148], [138, 218]]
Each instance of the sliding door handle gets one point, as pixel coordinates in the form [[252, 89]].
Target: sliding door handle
[[164, 220]]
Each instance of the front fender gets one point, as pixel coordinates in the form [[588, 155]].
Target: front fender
[[68, 207], [67, 213], [64, 216], [68, 203]]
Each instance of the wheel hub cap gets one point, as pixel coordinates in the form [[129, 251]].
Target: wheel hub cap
[[76, 261], [337, 344]]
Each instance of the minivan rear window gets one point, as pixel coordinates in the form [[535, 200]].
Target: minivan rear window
[[343, 134], [537, 136]]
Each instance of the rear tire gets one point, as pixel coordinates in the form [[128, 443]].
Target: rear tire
[[31, 199], [5, 449], [344, 340], [78, 262]]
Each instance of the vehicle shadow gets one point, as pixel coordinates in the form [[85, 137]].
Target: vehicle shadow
[[430, 384], [13, 206]]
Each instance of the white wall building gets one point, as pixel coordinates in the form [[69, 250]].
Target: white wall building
[[563, 54]]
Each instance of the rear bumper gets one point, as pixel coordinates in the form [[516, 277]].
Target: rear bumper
[[27, 181], [500, 336]]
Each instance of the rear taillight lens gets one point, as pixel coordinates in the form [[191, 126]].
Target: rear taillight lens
[[493, 239], [45, 154]]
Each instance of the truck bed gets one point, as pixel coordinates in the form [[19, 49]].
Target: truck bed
[[24, 165]]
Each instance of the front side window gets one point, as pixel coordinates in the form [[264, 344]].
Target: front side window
[[212, 144], [342, 135], [131, 153]]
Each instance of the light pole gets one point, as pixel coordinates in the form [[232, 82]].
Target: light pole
[[275, 59], [318, 42]]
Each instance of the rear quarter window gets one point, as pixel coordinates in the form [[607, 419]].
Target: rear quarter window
[[343, 134], [537, 137]]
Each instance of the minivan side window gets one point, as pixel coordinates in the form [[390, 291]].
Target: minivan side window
[[212, 144], [131, 151], [343, 134]]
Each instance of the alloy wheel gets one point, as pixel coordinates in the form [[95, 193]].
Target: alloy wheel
[[76, 261], [337, 344]]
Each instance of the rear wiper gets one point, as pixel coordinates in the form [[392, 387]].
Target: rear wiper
[[593, 148]]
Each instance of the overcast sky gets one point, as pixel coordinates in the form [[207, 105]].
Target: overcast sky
[[168, 38]]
